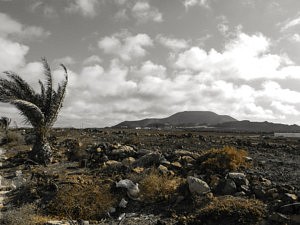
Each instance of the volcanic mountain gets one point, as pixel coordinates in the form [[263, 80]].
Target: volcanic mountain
[[180, 119]]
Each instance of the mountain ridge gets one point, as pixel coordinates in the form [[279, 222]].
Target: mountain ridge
[[185, 118], [208, 120]]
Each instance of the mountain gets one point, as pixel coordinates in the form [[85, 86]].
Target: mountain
[[248, 126], [181, 119]]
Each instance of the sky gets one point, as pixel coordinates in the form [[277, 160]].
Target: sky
[[135, 59]]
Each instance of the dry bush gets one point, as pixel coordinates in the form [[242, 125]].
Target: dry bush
[[87, 201], [223, 159], [20, 216], [15, 137], [155, 186], [233, 210]]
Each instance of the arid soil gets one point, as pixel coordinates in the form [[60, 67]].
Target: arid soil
[[260, 187]]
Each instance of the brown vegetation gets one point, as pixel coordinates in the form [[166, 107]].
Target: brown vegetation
[[223, 159]]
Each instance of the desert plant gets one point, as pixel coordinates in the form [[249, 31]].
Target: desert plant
[[223, 160], [85, 201], [155, 186], [19, 216], [232, 210], [39, 109]]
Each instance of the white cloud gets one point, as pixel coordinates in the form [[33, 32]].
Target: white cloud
[[172, 43], [125, 45], [290, 24], [284, 108], [143, 12], [10, 28], [94, 59], [87, 8], [12, 54], [245, 57], [295, 38], [191, 3]]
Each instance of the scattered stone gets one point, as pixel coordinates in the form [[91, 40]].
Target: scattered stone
[[138, 169], [229, 187], [148, 160], [163, 169], [128, 161], [123, 203], [290, 198], [197, 186], [259, 192], [238, 178], [133, 190], [176, 165]]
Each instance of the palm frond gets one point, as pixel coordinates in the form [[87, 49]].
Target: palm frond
[[30, 111], [58, 98], [48, 74]]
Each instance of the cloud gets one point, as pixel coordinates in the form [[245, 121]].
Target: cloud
[[88, 8], [125, 45], [245, 57], [68, 60], [172, 43], [143, 12], [10, 28], [47, 10], [94, 59], [12, 54], [290, 24], [190, 3]]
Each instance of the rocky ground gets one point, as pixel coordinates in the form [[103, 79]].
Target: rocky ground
[[152, 177]]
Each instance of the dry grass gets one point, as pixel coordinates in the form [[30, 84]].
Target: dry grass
[[155, 186], [233, 210], [20, 216], [223, 159], [87, 201]]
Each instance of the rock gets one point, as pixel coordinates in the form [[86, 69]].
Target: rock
[[240, 194], [148, 160], [176, 165], [128, 161], [113, 163], [123, 151], [259, 192], [133, 190], [238, 178], [123, 203], [214, 181], [197, 186], [290, 198], [181, 153], [266, 182], [229, 187], [187, 159], [163, 169], [138, 170]]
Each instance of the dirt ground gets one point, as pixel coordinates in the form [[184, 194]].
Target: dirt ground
[[79, 160]]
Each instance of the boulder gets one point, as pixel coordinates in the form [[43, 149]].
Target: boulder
[[238, 178], [133, 190], [229, 187], [197, 186], [148, 160]]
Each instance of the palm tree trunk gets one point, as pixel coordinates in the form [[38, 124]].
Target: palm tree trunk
[[41, 151]]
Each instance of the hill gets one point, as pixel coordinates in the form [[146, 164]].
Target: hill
[[180, 119]]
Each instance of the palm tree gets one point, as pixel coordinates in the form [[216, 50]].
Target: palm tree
[[40, 109]]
